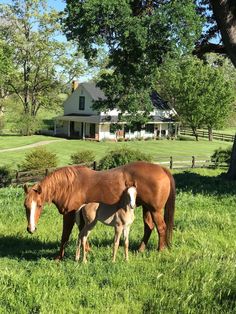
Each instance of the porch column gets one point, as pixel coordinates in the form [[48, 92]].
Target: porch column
[[68, 129], [123, 130], [83, 130], [160, 130], [176, 130]]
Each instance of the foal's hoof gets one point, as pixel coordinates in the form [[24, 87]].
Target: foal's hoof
[[142, 248]]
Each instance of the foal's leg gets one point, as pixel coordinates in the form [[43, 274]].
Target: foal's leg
[[83, 236], [68, 223], [126, 241], [148, 227], [118, 232], [161, 227]]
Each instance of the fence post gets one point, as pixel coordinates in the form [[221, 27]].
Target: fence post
[[17, 176], [171, 162], [46, 172], [94, 165], [193, 162]]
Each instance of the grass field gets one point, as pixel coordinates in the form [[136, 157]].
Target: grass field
[[197, 276], [203, 149]]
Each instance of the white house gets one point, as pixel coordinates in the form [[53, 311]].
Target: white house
[[80, 120]]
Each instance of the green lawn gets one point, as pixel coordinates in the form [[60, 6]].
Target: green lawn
[[10, 141], [160, 150], [196, 276]]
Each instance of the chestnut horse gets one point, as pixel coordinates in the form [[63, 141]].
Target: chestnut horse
[[69, 188]]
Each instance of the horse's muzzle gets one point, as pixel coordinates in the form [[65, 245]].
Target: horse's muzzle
[[31, 231]]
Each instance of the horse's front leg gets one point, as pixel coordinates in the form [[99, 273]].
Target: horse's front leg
[[148, 227], [68, 223]]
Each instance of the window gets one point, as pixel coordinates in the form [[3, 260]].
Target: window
[[81, 102]]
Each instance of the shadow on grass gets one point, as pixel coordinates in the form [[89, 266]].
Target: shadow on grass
[[188, 181], [26, 248]]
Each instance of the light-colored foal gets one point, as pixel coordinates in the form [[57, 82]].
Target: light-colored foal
[[120, 216]]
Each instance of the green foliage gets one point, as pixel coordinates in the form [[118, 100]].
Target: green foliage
[[137, 36], [38, 159], [6, 176], [201, 93], [82, 157], [221, 156], [122, 156], [42, 63], [26, 125]]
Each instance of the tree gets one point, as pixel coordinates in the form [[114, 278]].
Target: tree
[[30, 32], [6, 70], [200, 93], [137, 35], [224, 14]]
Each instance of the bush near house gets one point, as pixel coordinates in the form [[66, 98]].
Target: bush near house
[[221, 156], [6, 176], [82, 157], [38, 159], [122, 156]]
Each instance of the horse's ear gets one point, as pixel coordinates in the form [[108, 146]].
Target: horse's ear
[[128, 184], [26, 188], [37, 188]]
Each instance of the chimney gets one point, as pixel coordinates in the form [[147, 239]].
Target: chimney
[[74, 85]]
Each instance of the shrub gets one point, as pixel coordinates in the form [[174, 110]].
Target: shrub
[[221, 156], [39, 159], [82, 157], [6, 176], [26, 125], [122, 156]]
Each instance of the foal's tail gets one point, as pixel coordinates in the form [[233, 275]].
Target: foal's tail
[[170, 209]]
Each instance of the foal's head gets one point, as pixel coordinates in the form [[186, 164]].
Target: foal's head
[[33, 206], [131, 195]]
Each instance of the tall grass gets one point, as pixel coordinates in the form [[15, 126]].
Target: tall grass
[[197, 276]]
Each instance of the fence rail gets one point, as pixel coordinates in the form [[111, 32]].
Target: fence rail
[[171, 162], [204, 134], [183, 162], [32, 176]]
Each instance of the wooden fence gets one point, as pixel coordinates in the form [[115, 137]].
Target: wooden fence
[[204, 134], [172, 162], [184, 162], [32, 176]]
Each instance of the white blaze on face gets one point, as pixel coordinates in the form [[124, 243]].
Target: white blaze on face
[[32, 216], [132, 194]]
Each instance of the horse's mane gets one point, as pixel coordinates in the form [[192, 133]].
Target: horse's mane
[[60, 181]]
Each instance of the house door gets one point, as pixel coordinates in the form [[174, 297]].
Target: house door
[[92, 130], [72, 128]]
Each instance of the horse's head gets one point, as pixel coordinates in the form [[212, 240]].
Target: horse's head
[[33, 206], [131, 196]]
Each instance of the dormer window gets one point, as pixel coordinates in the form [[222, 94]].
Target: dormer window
[[81, 102]]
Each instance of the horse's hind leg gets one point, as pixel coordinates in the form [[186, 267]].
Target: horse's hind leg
[[148, 227], [161, 227]]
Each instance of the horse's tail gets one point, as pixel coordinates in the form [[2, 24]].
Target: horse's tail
[[170, 210]]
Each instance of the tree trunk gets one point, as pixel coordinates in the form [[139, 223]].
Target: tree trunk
[[232, 168], [195, 133], [225, 15], [210, 134]]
